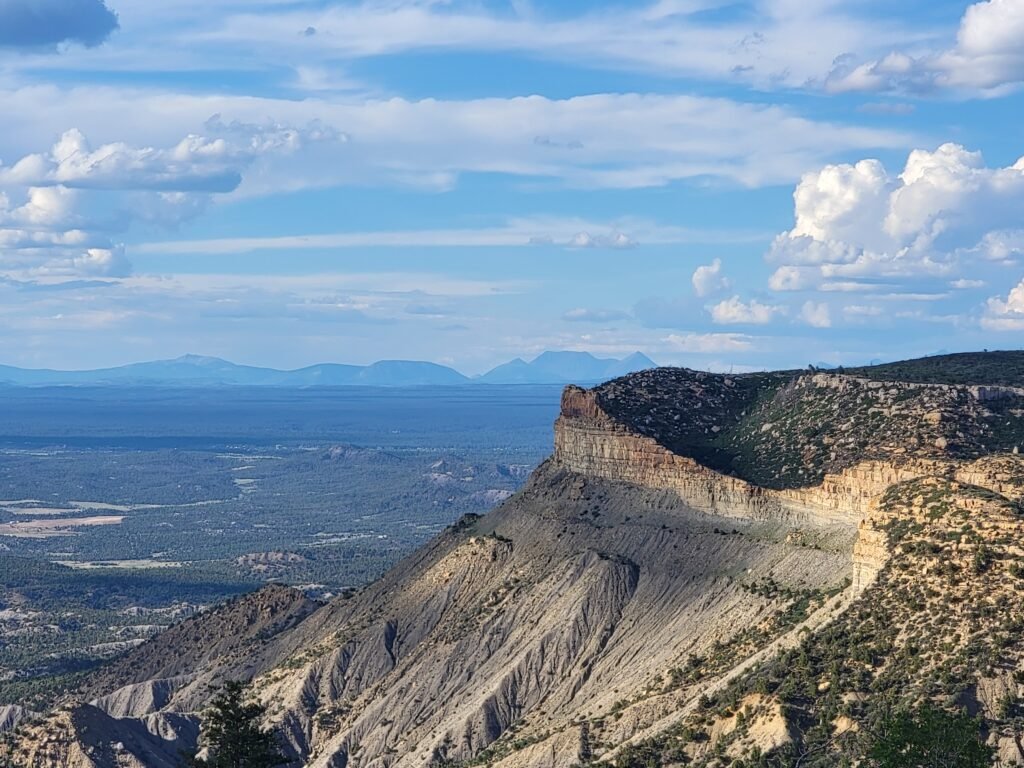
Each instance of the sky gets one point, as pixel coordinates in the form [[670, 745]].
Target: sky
[[722, 185]]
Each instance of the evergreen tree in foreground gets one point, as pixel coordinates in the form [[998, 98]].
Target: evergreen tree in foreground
[[232, 735]]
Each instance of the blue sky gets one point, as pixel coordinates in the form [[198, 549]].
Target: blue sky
[[717, 184]]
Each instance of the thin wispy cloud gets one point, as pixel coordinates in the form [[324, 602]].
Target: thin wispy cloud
[[518, 233]]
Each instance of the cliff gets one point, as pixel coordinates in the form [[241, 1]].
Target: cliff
[[591, 442], [694, 538], [788, 431]]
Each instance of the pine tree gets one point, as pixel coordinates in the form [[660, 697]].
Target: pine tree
[[232, 736]]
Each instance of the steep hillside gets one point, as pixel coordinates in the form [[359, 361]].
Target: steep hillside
[[636, 605], [943, 623], [204, 640]]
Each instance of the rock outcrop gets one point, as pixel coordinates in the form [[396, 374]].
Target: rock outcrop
[[591, 442], [86, 737]]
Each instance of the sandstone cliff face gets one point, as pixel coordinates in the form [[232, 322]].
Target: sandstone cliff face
[[792, 430], [589, 441]]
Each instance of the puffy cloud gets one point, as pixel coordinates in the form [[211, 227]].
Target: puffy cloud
[[859, 223], [100, 261], [196, 164], [792, 278], [709, 343], [1005, 246], [816, 314], [842, 202], [708, 279], [987, 56], [583, 315], [44, 206], [734, 311], [45, 23], [57, 230], [1006, 314]]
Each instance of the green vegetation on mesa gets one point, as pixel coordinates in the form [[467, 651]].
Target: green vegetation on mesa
[[1000, 368], [788, 429]]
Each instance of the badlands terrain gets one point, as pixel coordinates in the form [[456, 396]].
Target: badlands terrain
[[709, 570]]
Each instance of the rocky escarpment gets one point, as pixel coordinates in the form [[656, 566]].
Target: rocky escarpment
[[591, 442], [778, 435], [693, 539]]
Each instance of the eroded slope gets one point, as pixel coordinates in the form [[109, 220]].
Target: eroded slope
[[943, 623], [631, 602]]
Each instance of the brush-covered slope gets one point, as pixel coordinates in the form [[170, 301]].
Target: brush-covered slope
[[943, 623], [636, 605]]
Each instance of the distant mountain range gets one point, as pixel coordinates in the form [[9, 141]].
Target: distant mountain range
[[196, 370], [564, 368]]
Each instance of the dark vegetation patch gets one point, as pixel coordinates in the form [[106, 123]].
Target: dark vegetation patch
[[1001, 368], [787, 430]]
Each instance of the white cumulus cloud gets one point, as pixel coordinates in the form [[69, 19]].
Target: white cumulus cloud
[[52, 226], [859, 221], [986, 57], [734, 311], [1006, 314], [708, 279], [195, 164]]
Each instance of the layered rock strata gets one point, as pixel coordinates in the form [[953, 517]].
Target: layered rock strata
[[590, 442]]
